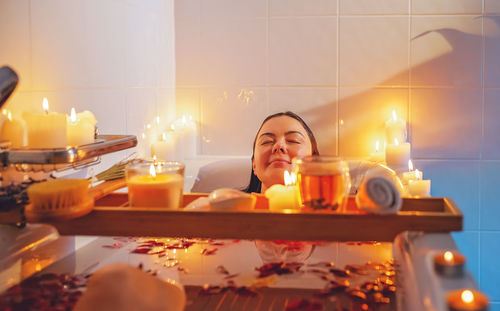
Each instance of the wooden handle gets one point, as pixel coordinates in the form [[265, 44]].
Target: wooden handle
[[106, 188]]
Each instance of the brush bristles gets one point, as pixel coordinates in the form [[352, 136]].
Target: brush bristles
[[58, 193]]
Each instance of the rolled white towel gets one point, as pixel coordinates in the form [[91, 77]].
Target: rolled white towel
[[378, 195]]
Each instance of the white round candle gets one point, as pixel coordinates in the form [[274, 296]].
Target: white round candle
[[397, 155], [395, 128], [46, 130], [81, 128], [164, 149], [419, 188]]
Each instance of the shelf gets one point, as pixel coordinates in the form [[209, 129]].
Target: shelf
[[111, 218]]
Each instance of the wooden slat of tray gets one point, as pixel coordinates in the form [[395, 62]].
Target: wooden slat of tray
[[429, 215]]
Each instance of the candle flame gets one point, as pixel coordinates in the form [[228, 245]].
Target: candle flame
[[163, 136], [410, 165], [45, 105], [467, 296], [418, 174], [4, 111], [154, 158], [396, 142], [73, 115], [157, 119], [143, 136], [148, 126], [289, 178], [448, 256], [152, 171], [172, 126], [9, 116], [377, 146], [394, 116]]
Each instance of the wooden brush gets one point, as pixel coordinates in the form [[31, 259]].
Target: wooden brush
[[61, 199]]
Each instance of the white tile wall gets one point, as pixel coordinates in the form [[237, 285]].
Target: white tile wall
[[302, 7], [369, 7], [387, 40], [446, 123], [491, 6], [446, 6], [446, 50], [303, 51], [491, 51], [491, 127]]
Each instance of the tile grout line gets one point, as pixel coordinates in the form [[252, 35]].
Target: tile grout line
[[268, 57], [410, 107]]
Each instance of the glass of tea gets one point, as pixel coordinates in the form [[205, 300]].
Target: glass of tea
[[323, 181]]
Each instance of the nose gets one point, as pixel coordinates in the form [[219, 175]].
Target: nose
[[279, 146]]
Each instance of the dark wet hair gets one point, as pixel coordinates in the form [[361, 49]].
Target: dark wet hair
[[255, 184]]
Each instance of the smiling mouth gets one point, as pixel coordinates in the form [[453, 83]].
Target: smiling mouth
[[280, 161]]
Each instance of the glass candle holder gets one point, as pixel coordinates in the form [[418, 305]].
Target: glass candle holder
[[155, 184], [467, 300], [323, 182], [449, 264]]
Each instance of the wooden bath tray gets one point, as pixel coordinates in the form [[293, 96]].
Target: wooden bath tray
[[109, 218]]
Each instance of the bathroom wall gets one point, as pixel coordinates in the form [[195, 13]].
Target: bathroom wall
[[114, 58], [344, 65]]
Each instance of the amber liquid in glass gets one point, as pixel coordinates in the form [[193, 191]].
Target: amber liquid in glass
[[321, 191]]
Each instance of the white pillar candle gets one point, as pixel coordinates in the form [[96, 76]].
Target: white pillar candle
[[283, 197], [164, 149], [419, 188], [378, 155], [397, 155], [13, 131], [81, 128], [186, 137], [395, 128], [411, 174], [47, 130]]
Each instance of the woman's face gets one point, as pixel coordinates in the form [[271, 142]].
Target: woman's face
[[279, 140]]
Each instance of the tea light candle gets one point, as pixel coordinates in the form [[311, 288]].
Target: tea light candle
[[155, 190], [378, 155], [47, 130], [467, 300], [164, 149], [13, 131], [81, 128], [419, 188], [411, 174], [282, 197], [397, 155], [449, 264], [395, 128]]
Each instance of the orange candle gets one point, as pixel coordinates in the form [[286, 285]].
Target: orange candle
[[160, 188], [467, 300], [449, 264]]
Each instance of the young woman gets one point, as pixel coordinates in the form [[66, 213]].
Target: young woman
[[281, 137]]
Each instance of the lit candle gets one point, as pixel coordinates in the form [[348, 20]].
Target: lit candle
[[283, 197], [161, 187], [411, 174], [47, 130], [378, 155], [395, 128], [467, 300], [164, 149], [397, 155], [81, 128], [418, 187], [13, 131], [449, 264], [186, 132]]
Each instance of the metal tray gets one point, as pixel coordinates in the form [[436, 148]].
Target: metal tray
[[72, 155]]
